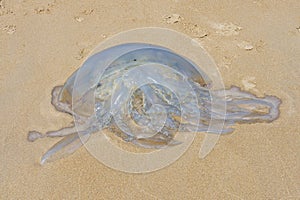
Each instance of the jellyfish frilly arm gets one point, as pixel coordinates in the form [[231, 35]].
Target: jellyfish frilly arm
[[250, 108], [73, 138], [66, 146], [34, 135], [244, 107], [234, 106], [241, 107]]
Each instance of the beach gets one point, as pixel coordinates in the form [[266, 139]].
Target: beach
[[255, 44]]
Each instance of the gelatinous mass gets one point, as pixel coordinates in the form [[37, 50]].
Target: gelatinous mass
[[146, 94]]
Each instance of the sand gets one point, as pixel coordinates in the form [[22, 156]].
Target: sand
[[256, 45]]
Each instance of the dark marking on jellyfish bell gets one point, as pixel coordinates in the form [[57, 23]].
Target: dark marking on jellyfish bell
[[99, 85]]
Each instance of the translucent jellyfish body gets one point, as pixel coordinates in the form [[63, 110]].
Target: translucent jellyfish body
[[147, 94]]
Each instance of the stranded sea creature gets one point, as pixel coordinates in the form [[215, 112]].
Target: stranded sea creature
[[146, 94]]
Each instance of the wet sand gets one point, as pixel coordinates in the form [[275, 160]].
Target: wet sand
[[256, 45]]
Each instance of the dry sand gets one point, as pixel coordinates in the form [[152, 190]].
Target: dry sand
[[256, 45]]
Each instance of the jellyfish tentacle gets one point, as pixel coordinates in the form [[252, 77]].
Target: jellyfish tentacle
[[66, 131], [244, 107], [65, 146], [34, 135], [250, 108]]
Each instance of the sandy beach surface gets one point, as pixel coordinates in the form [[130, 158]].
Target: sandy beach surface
[[256, 45]]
